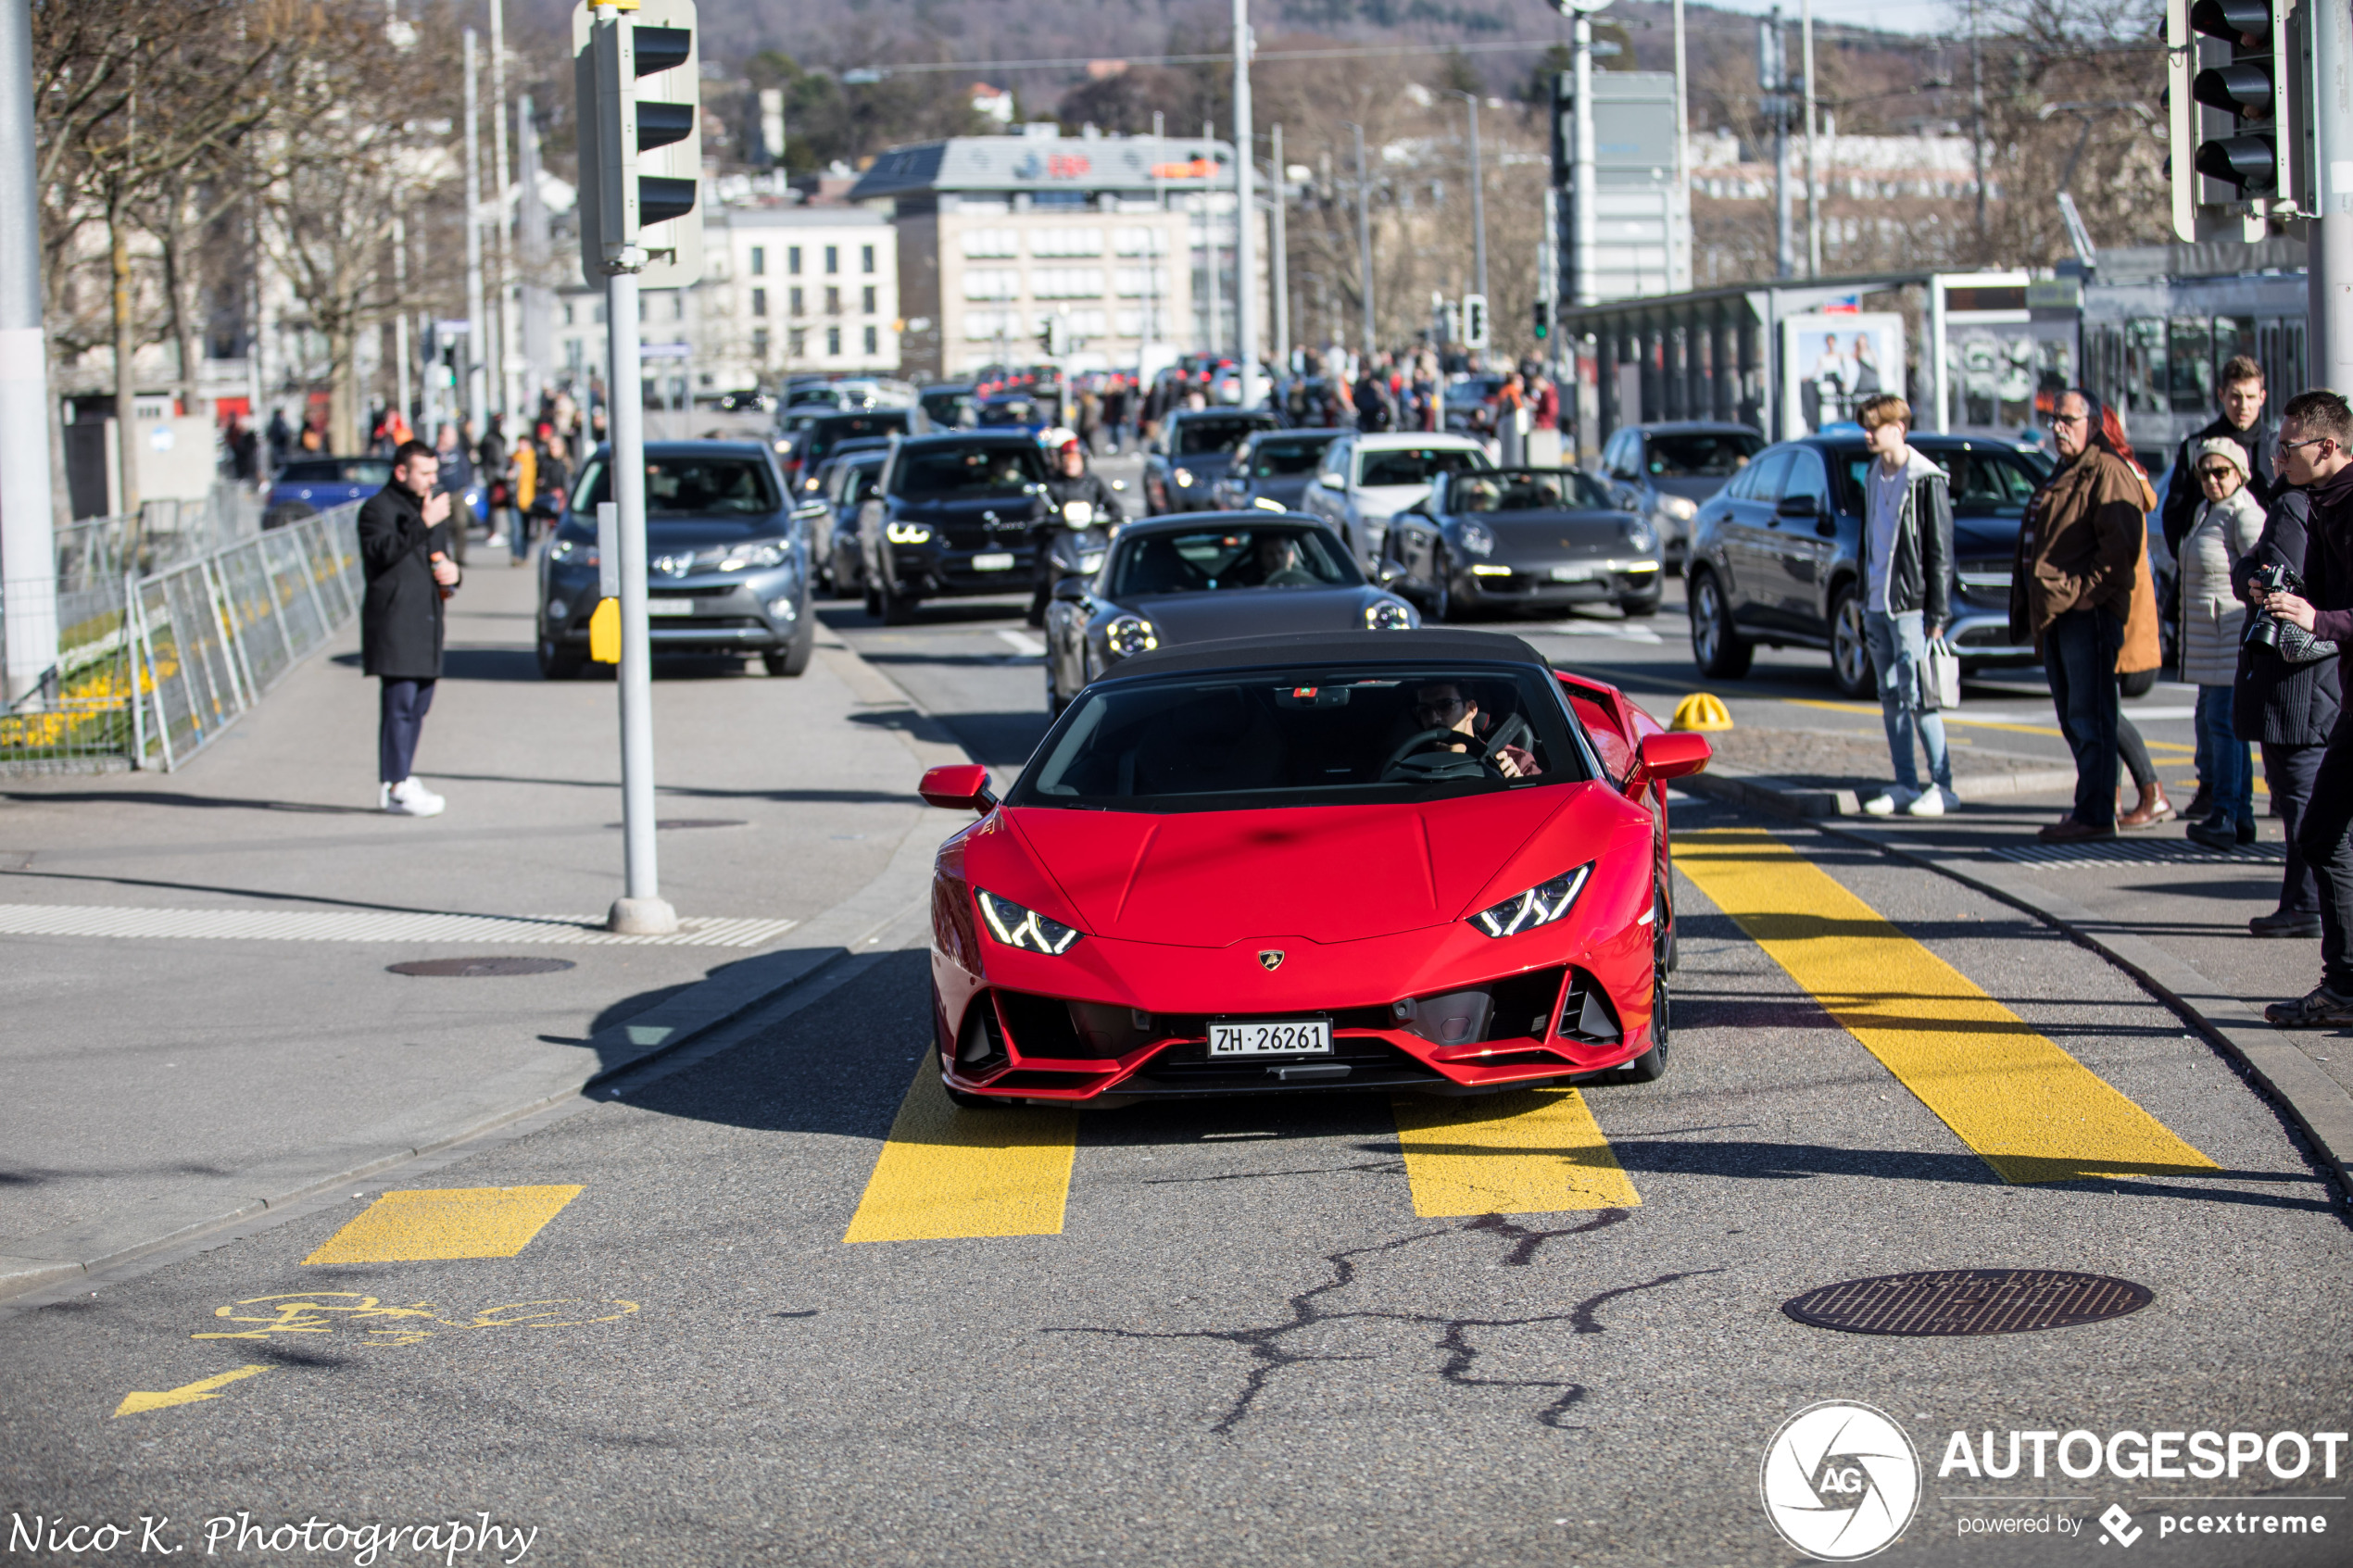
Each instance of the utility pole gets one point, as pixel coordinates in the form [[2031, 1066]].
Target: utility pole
[[2329, 358], [1245, 219], [1977, 123], [1582, 196], [475, 318], [1772, 79], [1209, 246], [1281, 246], [502, 258], [1365, 239], [531, 220], [28, 552], [1813, 206], [401, 314], [1479, 199], [1683, 159]]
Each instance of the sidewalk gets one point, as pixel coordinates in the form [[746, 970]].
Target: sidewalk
[[161, 1084], [2170, 911]]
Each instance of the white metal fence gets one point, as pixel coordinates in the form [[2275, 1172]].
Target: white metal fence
[[151, 670]]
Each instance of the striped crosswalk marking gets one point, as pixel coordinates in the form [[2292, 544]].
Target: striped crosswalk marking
[[2027, 1107], [409, 1227], [947, 1173], [1532, 1151]]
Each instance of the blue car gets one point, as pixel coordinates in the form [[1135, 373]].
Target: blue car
[[310, 485], [1014, 411]]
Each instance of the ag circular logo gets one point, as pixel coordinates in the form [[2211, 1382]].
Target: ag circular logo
[[1840, 1480]]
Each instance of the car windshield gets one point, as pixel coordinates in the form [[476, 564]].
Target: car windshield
[[824, 396], [1201, 438], [1249, 556], [338, 470], [828, 434], [1303, 736], [997, 467], [1011, 411], [1289, 456], [696, 486], [1699, 454], [1528, 490], [1418, 465], [946, 408], [1986, 481]]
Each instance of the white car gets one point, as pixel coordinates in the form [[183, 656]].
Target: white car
[[1368, 478]]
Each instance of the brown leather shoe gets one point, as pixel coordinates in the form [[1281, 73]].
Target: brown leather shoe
[[2151, 809], [2068, 831]]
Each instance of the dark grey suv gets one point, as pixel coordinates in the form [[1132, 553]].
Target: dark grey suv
[[1667, 471], [952, 517], [727, 563]]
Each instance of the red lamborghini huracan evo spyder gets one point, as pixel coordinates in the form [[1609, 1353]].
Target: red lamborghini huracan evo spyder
[[1423, 862]]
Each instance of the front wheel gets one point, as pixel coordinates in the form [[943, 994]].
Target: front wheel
[[1850, 667], [793, 658], [1719, 653], [1651, 1066], [558, 662]]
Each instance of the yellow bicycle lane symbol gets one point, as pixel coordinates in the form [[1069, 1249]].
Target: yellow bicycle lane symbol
[[367, 1318]]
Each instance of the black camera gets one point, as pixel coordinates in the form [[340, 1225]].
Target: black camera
[[2263, 629]]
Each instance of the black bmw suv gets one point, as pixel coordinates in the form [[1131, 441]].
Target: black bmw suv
[[954, 515], [1775, 554]]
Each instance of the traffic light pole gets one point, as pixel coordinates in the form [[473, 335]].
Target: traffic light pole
[[2329, 254], [640, 912], [27, 554]]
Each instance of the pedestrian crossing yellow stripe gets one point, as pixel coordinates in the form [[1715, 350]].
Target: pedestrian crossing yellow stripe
[[441, 1224], [946, 1173], [2027, 1107], [1531, 1151]]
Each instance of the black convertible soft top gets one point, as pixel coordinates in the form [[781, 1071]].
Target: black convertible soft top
[[1423, 647]]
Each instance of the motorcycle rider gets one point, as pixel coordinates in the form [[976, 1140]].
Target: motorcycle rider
[[1081, 509]]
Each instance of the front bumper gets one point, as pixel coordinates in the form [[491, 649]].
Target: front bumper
[[1982, 636], [720, 618], [936, 571], [1119, 1021], [1595, 581]]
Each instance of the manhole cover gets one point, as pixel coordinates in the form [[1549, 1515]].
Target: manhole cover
[[668, 824], [1964, 1302], [468, 969]]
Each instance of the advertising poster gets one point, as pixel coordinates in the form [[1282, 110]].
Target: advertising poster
[[1833, 361]]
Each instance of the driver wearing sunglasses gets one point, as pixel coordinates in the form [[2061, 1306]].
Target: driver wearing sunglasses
[[1444, 705]]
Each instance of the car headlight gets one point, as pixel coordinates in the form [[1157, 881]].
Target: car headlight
[[757, 556], [1387, 615], [1183, 478], [1540, 905], [1679, 508], [1129, 635], [1091, 562], [573, 552], [1024, 929], [784, 608], [1476, 538], [1270, 504], [908, 533]]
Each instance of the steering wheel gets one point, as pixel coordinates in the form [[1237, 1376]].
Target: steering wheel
[[1511, 729], [1444, 763]]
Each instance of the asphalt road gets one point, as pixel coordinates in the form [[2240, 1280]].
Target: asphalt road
[[1219, 1333]]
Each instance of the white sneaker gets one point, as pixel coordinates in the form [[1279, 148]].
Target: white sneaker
[[1929, 804], [1891, 801], [409, 799]]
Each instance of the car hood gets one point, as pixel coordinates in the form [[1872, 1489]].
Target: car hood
[[1286, 488], [1242, 612], [1535, 535], [1331, 873], [693, 533], [1974, 538], [975, 511]]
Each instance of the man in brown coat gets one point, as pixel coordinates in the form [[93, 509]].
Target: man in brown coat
[[2071, 591]]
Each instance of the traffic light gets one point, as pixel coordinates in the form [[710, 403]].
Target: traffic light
[[639, 88], [1543, 320], [1475, 321], [2258, 76]]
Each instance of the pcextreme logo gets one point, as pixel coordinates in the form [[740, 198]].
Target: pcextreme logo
[[2117, 1525], [1840, 1480]]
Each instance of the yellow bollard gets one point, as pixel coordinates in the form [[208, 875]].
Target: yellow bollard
[[1701, 710], [604, 634]]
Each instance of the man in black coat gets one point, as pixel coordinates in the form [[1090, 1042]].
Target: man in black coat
[[404, 554], [2240, 420]]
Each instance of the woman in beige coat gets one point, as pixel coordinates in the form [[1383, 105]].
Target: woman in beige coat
[[2228, 521]]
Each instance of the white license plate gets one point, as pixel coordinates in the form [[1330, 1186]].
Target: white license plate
[[999, 561], [1313, 1037], [670, 606], [1572, 573]]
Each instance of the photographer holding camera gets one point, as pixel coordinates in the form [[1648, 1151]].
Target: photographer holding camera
[[2283, 688]]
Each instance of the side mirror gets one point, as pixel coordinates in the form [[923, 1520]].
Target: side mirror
[[1070, 590], [962, 786], [1332, 481], [1798, 506], [1672, 755]]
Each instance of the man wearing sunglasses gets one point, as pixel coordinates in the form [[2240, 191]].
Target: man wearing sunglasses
[[2078, 547], [2316, 434]]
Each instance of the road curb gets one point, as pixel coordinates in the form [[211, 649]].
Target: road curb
[[1811, 802], [857, 924], [2312, 1102]]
